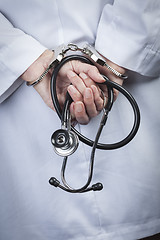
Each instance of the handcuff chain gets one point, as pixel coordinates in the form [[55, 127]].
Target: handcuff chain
[[92, 55], [115, 72], [51, 65], [87, 50], [47, 70]]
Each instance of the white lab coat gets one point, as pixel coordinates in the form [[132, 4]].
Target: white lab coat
[[128, 208]]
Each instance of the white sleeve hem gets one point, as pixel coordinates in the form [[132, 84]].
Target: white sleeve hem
[[128, 35], [26, 50]]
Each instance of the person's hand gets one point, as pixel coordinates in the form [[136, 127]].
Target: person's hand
[[86, 95], [88, 101], [35, 71], [84, 91]]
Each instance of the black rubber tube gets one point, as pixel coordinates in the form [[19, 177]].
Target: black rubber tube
[[111, 85]]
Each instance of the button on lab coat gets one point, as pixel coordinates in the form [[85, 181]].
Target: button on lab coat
[[128, 208]]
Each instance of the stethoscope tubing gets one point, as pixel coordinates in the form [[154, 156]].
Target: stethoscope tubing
[[108, 83]]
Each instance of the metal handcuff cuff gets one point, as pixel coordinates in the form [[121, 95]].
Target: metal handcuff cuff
[[65, 140]]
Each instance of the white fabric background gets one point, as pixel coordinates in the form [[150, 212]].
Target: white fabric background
[[128, 207]]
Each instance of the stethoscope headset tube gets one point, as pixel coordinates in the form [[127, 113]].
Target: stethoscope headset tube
[[109, 84], [95, 144]]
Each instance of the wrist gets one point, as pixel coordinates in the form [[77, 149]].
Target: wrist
[[36, 69]]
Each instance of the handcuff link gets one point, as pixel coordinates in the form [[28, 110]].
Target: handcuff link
[[60, 52], [88, 50]]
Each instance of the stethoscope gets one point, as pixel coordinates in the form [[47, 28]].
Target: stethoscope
[[66, 139]]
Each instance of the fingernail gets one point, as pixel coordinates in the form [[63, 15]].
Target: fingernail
[[79, 107], [101, 78], [71, 89], [88, 93], [83, 75]]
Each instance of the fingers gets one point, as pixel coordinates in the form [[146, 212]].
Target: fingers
[[90, 70], [82, 112], [76, 81], [91, 99], [96, 91], [86, 96], [89, 103], [94, 74], [78, 112], [80, 83], [97, 98], [85, 92], [74, 93], [88, 81]]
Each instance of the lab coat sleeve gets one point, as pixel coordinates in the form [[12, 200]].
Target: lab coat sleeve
[[17, 52], [129, 35]]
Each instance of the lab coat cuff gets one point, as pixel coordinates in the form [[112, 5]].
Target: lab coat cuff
[[127, 53], [16, 58]]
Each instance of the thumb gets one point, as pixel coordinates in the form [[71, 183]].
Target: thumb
[[94, 74]]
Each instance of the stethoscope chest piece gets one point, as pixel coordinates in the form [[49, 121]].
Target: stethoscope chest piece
[[64, 143]]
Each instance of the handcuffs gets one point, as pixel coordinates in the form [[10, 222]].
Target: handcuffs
[[66, 139], [88, 50]]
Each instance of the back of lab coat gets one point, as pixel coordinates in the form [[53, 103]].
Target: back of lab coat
[[128, 207]]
